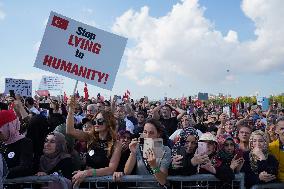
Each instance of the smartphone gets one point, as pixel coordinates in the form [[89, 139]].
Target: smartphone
[[239, 155], [145, 98], [12, 94], [44, 105], [155, 144], [202, 148]]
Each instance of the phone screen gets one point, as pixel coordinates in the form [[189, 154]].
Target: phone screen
[[12, 93], [202, 148], [155, 144]]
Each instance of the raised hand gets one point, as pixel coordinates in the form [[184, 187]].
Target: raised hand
[[176, 161]]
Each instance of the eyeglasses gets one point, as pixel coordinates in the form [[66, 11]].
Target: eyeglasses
[[98, 121]]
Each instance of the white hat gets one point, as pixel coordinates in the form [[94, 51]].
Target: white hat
[[208, 137]]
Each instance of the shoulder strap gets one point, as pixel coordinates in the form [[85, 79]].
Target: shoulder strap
[[144, 160]]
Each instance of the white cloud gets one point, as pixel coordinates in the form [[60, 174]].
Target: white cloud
[[232, 36], [152, 81], [151, 66], [183, 43], [2, 13]]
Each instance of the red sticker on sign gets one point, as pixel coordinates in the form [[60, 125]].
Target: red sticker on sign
[[60, 22]]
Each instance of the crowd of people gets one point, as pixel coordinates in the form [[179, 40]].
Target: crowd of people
[[81, 138]]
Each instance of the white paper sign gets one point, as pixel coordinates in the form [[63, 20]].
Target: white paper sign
[[51, 83], [259, 100], [79, 51], [20, 86]]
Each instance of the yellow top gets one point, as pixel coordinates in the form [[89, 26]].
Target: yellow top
[[279, 155]]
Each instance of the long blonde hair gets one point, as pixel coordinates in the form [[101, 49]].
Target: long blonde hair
[[260, 133], [111, 136], [252, 157]]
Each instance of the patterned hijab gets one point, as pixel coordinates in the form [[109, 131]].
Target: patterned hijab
[[252, 157], [222, 156], [49, 161], [182, 137]]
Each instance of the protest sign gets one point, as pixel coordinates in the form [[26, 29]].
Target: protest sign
[[79, 51], [265, 104], [259, 100], [226, 110], [51, 83], [19, 86]]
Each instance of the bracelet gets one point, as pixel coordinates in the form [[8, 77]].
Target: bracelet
[[155, 170], [94, 172]]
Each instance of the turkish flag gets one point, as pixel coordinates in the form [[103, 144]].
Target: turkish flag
[[86, 92], [60, 22], [65, 98]]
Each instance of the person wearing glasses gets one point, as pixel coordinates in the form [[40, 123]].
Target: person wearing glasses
[[104, 150]]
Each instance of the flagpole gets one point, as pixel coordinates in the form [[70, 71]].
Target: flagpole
[[74, 92]]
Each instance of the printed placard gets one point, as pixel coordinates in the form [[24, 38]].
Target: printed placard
[[51, 83], [79, 51], [19, 86]]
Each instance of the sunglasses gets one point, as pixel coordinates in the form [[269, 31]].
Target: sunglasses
[[98, 122]]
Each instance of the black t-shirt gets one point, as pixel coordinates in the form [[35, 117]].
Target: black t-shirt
[[170, 125], [123, 159], [64, 168], [187, 168], [201, 127], [19, 158], [97, 156]]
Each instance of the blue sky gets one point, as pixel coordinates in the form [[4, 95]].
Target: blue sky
[[174, 48]]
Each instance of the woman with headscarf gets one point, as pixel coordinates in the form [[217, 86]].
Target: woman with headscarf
[[183, 153], [18, 150], [55, 158], [259, 166], [207, 153], [228, 160]]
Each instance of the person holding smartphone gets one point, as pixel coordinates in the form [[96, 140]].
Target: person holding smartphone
[[207, 145], [228, 161], [184, 158], [149, 165], [259, 166]]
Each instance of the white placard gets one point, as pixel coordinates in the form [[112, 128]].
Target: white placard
[[51, 83], [19, 86], [79, 51]]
